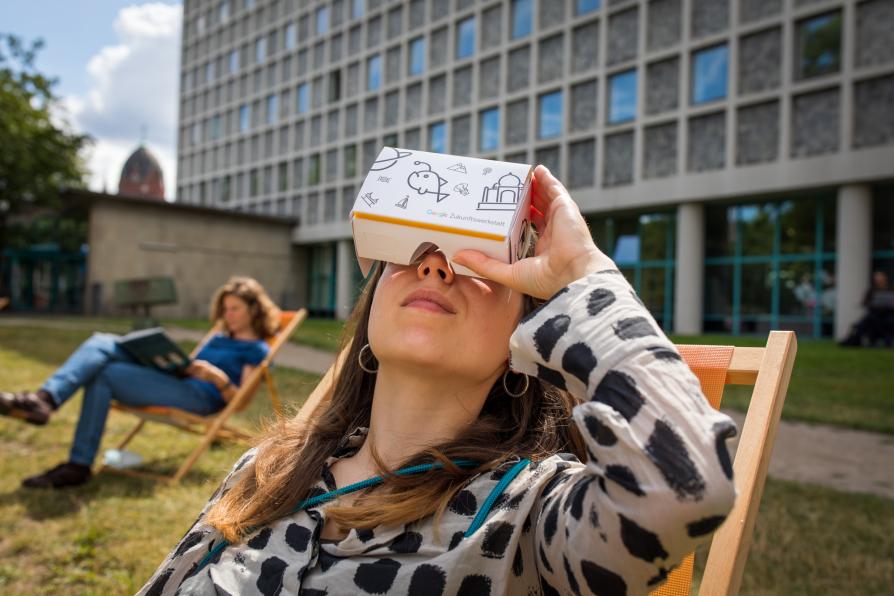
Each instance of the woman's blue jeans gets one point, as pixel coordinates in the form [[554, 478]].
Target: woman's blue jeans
[[107, 372]]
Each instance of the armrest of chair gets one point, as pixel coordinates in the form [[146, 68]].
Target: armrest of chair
[[729, 548]]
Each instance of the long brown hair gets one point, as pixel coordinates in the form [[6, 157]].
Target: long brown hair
[[264, 314], [290, 456]]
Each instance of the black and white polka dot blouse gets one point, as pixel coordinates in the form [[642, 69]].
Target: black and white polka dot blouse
[[657, 482]]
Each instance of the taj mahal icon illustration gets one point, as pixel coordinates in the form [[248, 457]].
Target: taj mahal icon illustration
[[502, 195]]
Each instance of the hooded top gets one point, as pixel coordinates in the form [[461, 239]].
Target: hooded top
[[657, 482]]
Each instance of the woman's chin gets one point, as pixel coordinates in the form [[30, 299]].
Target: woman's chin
[[417, 345]]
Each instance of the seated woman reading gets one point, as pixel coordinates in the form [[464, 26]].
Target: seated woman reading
[[107, 372], [522, 446]]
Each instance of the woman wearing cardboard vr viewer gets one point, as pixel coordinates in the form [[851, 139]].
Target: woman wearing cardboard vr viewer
[[528, 431]]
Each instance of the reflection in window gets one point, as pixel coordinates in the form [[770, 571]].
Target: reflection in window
[[797, 222], [313, 169], [489, 129], [770, 266], [626, 249], [757, 225], [358, 8], [550, 115], [883, 230], [883, 220], [334, 85], [417, 56], [718, 291], [437, 137], [321, 281], [709, 73], [373, 72], [756, 289], [234, 61], [244, 117], [585, 6], [622, 97], [272, 104], [289, 41], [253, 183], [260, 49], [818, 50], [350, 161], [643, 247], [302, 96], [282, 177], [465, 38], [521, 18], [656, 236], [801, 295], [322, 20], [225, 189]]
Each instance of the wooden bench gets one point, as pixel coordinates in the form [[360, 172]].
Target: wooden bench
[[144, 293]]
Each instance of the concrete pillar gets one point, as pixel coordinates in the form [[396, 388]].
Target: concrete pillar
[[689, 280], [853, 261], [344, 283]]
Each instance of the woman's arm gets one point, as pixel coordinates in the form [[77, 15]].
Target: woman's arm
[[204, 370], [658, 478], [228, 390]]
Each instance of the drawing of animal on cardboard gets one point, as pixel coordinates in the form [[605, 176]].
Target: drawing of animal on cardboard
[[427, 181]]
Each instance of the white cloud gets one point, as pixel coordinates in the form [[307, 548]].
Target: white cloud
[[133, 84]]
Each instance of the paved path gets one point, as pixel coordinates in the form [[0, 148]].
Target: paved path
[[840, 458], [843, 459]]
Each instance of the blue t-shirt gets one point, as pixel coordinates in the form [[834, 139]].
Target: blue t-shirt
[[229, 355]]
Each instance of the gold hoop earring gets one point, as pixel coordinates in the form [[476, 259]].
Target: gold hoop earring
[[371, 371], [520, 393]]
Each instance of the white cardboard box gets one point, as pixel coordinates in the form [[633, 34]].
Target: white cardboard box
[[414, 201]]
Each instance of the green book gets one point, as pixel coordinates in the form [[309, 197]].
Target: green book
[[152, 347]]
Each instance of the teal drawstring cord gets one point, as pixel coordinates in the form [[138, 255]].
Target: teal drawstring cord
[[508, 477], [331, 495]]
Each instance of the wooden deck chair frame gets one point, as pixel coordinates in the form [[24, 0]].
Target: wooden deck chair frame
[[769, 370], [215, 426]]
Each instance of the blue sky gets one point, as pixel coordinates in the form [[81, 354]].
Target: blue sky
[[117, 64]]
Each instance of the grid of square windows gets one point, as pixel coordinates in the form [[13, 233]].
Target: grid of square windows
[[269, 51]]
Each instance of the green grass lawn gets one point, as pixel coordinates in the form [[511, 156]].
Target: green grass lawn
[[849, 387], [852, 387], [109, 536]]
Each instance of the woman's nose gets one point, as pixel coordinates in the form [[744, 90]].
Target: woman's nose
[[435, 263]]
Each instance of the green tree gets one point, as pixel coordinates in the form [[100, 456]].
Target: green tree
[[38, 156]]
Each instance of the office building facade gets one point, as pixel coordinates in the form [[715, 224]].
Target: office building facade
[[735, 157]]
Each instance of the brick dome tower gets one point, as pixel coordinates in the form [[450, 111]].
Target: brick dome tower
[[141, 176]]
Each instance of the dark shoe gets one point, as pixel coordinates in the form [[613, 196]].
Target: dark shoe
[[67, 474], [30, 406]]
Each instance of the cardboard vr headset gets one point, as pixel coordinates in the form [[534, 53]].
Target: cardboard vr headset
[[413, 202]]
